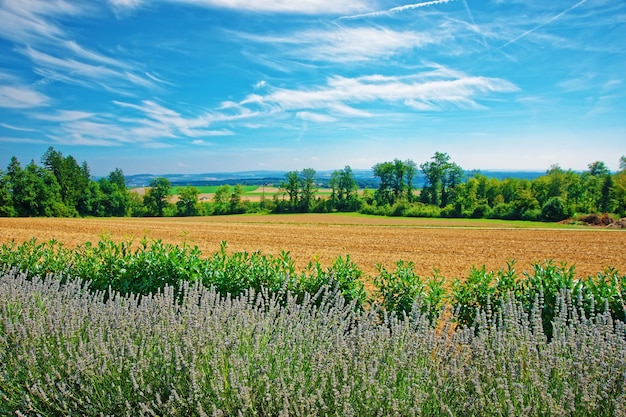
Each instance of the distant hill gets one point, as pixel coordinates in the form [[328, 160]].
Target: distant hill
[[364, 177]]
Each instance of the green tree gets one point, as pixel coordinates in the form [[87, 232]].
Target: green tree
[[604, 203], [395, 181], [291, 186], [187, 204], [115, 199], [385, 194], [442, 179], [136, 205], [344, 190], [73, 179], [307, 189], [618, 194], [595, 193], [6, 201], [221, 199], [598, 169], [410, 171], [236, 200], [156, 198]]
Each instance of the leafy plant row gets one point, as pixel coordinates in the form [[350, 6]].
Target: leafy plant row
[[149, 266]]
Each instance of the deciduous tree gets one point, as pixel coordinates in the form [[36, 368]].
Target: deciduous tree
[[157, 197]]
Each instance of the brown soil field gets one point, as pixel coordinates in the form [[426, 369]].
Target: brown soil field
[[451, 246]]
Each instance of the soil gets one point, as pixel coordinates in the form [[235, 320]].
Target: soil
[[450, 246]]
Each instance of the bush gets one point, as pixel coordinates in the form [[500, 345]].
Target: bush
[[423, 210], [482, 211], [401, 291], [554, 210], [531, 215]]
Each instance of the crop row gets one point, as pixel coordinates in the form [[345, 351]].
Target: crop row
[[148, 266], [189, 351]]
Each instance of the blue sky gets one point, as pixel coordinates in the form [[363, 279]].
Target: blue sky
[[192, 86]]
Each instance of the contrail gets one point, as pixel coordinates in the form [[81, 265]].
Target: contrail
[[397, 9], [552, 19], [471, 16]]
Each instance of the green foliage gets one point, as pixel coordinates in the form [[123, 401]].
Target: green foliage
[[554, 210], [396, 181], [187, 201], [344, 191], [62, 187], [149, 266], [402, 292], [300, 187], [156, 199]]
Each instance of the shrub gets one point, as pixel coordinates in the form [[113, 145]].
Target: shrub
[[554, 210], [401, 291]]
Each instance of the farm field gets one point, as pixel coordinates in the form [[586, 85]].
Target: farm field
[[450, 245]]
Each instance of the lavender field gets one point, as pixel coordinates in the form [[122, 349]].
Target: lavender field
[[67, 350]]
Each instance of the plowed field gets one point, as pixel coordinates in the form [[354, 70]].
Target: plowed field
[[451, 246]]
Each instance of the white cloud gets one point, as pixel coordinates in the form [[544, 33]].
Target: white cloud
[[262, 6], [19, 129], [315, 117], [4, 139], [21, 97], [33, 26], [64, 116], [73, 71], [419, 90], [342, 44], [27, 21]]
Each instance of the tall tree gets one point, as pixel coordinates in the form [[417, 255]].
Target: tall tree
[[442, 178], [307, 189], [6, 201], [344, 190], [598, 169], [410, 170], [115, 197], [385, 171], [157, 197], [236, 200], [187, 204], [73, 179], [291, 186]]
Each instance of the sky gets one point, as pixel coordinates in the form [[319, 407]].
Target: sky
[[196, 86]]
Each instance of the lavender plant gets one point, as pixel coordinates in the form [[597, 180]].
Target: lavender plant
[[67, 350]]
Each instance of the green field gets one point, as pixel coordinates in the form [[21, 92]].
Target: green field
[[211, 189]]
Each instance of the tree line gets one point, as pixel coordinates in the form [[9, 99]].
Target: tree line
[[61, 187]]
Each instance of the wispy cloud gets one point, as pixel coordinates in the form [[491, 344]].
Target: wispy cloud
[[151, 125], [33, 26], [265, 6], [396, 10], [17, 128], [341, 44], [21, 97], [315, 117], [28, 21], [425, 91], [5, 139]]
